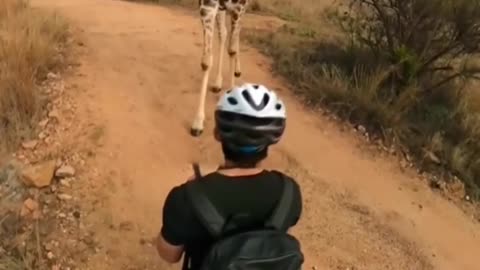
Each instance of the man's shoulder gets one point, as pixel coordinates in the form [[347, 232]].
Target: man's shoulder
[[285, 176], [264, 173], [281, 174], [214, 178], [176, 194]]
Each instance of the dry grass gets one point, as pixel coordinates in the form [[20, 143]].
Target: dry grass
[[10, 264], [29, 42], [292, 10]]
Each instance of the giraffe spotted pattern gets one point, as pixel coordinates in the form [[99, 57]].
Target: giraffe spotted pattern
[[213, 12]]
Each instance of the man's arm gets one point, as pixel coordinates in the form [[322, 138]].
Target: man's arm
[[175, 228], [168, 252]]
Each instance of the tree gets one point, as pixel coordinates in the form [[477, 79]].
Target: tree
[[428, 41]]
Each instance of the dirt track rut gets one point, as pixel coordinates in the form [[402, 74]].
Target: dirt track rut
[[140, 74]]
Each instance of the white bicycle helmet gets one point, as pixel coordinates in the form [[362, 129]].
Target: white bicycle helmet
[[250, 116]]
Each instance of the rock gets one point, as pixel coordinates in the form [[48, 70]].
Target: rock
[[52, 76], [65, 182], [48, 140], [30, 204], [64, 197], [43, 123], [65, 171], [50, 255], [361, 129], [39, 175], [42, 135], [24, 212], [54, 114], [30, 144], [57, 101]]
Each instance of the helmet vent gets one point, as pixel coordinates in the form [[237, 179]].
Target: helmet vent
[[278, 106], [250, 101], [232, 101]]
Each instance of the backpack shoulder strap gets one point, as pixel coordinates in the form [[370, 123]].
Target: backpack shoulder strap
[[208, 214], [280, 214], [196, 170]]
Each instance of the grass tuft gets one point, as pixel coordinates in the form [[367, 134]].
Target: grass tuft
[[29, 44]]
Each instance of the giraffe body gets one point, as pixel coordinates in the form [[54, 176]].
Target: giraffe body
[[213, 12]]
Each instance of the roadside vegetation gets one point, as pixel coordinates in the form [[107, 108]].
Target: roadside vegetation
[[29, 44], [405, 69]]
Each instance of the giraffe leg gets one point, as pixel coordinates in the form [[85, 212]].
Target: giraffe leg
[[207, 17], [234, 46], [222, 35]]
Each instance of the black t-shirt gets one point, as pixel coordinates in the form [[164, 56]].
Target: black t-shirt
[[256, 195]]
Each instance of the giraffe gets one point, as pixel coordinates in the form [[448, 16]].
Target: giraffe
[[214, 12]]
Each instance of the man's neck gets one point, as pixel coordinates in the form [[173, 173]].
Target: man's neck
[[230, 169]]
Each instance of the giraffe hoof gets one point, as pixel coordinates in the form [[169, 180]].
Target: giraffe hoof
[[238, 74], [196, 132], [216, 89]]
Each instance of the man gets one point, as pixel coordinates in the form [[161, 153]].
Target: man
[[248, 119]]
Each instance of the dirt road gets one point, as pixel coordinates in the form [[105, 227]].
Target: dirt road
[[140, 76]]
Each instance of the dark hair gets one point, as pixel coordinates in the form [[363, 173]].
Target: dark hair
[[244, 160]]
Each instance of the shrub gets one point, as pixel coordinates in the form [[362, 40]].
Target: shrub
[[404, 68], [429, 46], [429, 41]]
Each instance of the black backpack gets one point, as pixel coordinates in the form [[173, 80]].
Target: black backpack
[[266, 248]]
